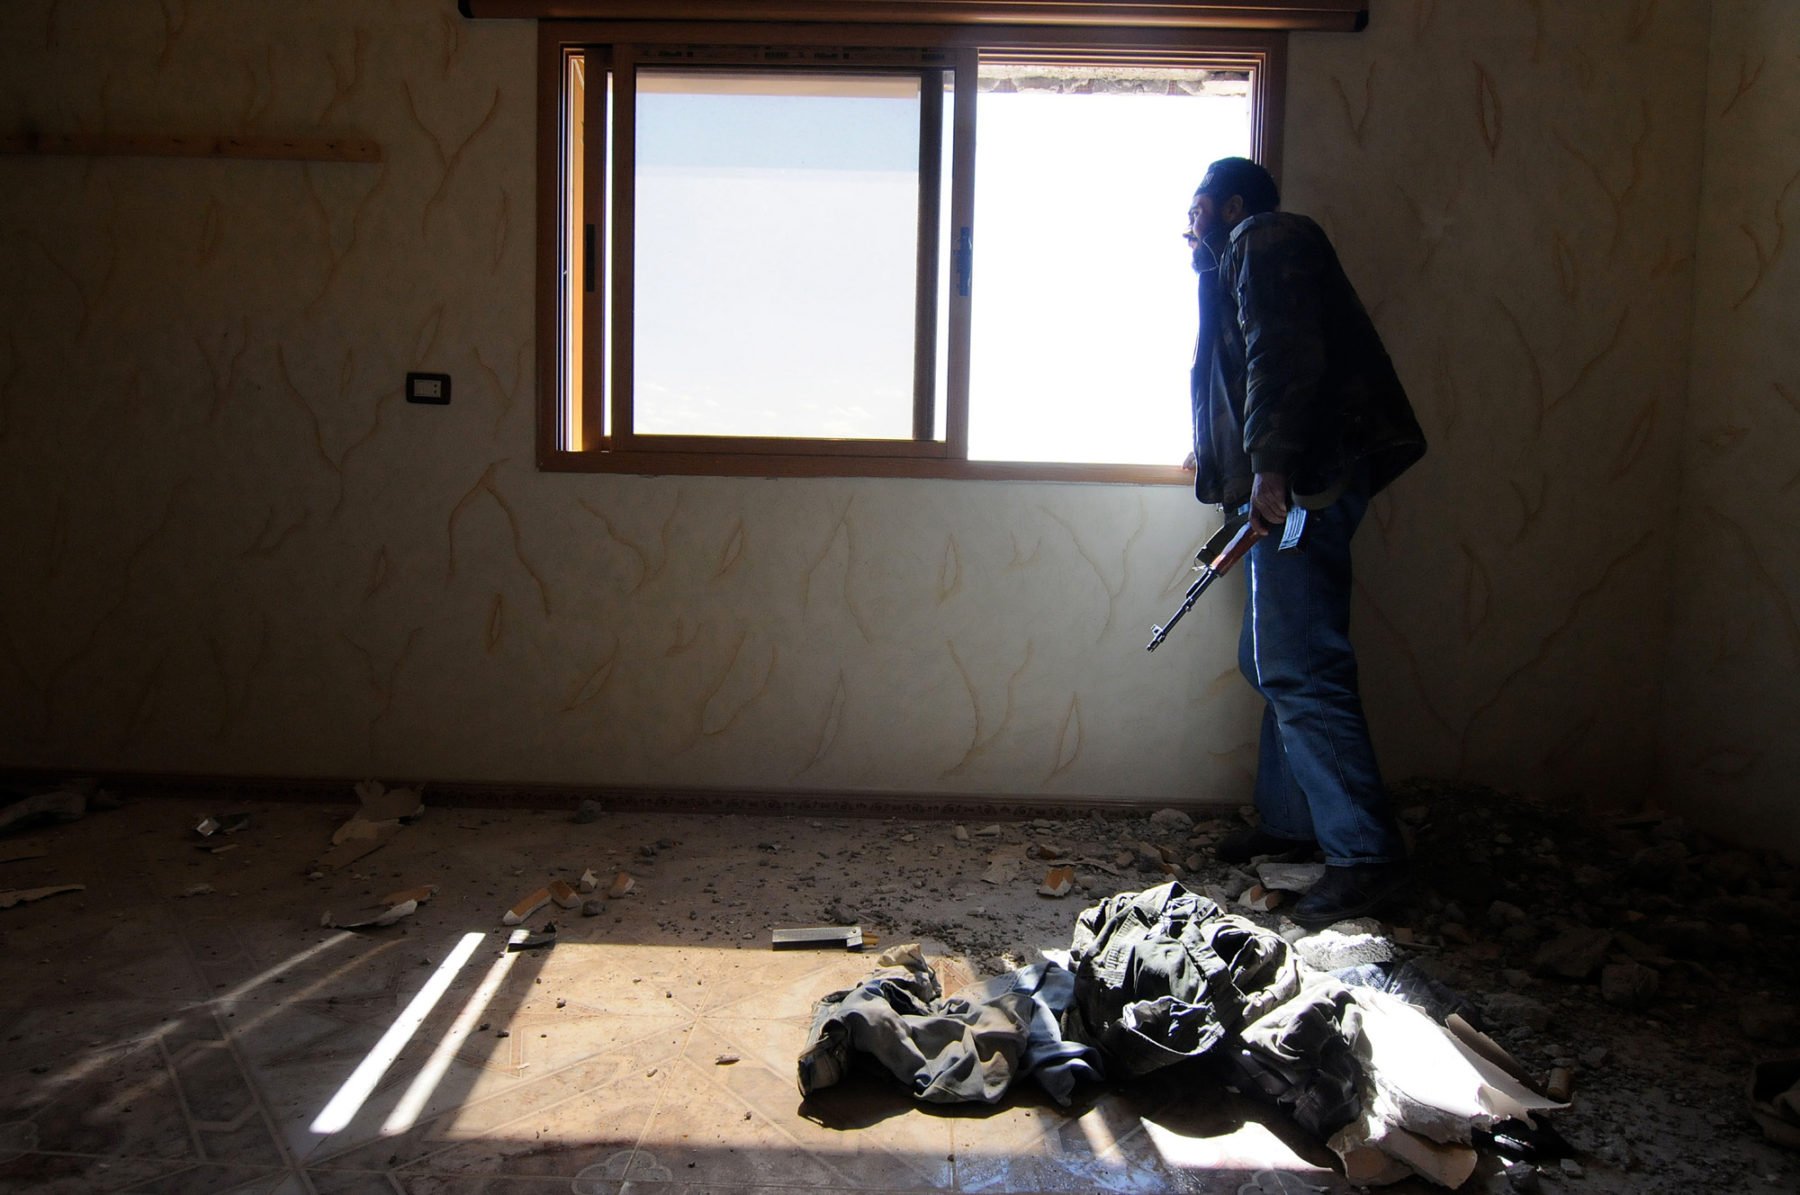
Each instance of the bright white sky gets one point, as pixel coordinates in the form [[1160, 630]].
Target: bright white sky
[[776, 257]]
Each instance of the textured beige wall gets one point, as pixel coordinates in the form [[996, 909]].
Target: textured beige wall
[[1731, 752], [234, 549], [1513, 186]]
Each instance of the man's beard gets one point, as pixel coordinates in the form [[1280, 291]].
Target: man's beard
[[1206, 252]]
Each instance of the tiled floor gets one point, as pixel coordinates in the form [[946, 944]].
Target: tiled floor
[[158, 1042]]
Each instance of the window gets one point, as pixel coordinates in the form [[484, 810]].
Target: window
[[905, 251]]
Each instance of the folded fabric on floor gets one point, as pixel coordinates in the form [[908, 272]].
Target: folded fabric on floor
[[970, 1047]]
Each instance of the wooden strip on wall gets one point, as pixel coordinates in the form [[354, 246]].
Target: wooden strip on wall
[[1333, 15]]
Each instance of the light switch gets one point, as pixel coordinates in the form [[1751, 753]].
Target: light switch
[[428, 388]]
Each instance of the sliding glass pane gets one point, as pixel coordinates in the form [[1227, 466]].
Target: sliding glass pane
[[776, 253], [1083, 310]]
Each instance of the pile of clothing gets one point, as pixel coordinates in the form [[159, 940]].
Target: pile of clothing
[[1165, 977]]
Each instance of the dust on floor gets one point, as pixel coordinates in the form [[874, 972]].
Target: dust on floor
[[160, 1041]]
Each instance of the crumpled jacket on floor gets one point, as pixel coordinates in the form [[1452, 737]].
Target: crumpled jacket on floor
[[1165, 976], [967, 1048]]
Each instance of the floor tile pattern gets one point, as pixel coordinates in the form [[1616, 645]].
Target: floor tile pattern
[[160, 1042]]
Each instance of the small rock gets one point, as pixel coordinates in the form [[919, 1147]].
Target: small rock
[[1289, 877], [1766, 1020], [992, 831], [1628, 985], [593, 907], [1571, 1167], [725, 1060], [1513, 1009], [1515, 978], [1522, 1178], [588, 811], [1503, 913], [1575, 953], [960, 833], [1593, 1058], [1174, 818], [1330, 950]]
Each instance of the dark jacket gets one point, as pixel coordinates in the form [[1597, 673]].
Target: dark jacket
[[1289, 374]]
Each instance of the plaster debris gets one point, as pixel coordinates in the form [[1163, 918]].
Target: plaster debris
[[22, 896], [589, 881], [382, 813], [59, 805]]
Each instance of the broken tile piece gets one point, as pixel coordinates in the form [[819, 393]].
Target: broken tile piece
[[1058, 882], [526, 907], [524, 939], [622, 883], [563, 894], [589, 881], [1260, 899], [850, 937], [403, 909], [20, 896], [421, 894]]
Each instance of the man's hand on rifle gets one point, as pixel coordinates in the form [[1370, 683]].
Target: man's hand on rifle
[[1268, 501]]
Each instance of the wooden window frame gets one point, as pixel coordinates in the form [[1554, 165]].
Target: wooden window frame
[[1260, 52]]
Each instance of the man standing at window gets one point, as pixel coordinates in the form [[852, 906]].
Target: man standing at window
[[1298, 415]]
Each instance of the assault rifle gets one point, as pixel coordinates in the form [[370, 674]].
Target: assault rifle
[[1218, 554]]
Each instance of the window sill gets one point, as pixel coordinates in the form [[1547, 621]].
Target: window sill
[[720, 464]]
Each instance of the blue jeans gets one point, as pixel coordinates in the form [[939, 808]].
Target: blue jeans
[[1316, 777]]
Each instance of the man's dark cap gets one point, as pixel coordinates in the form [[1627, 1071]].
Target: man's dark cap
[[1240, 176]]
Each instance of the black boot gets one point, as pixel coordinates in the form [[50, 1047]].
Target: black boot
[[1352, 890], [1241, 846]]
